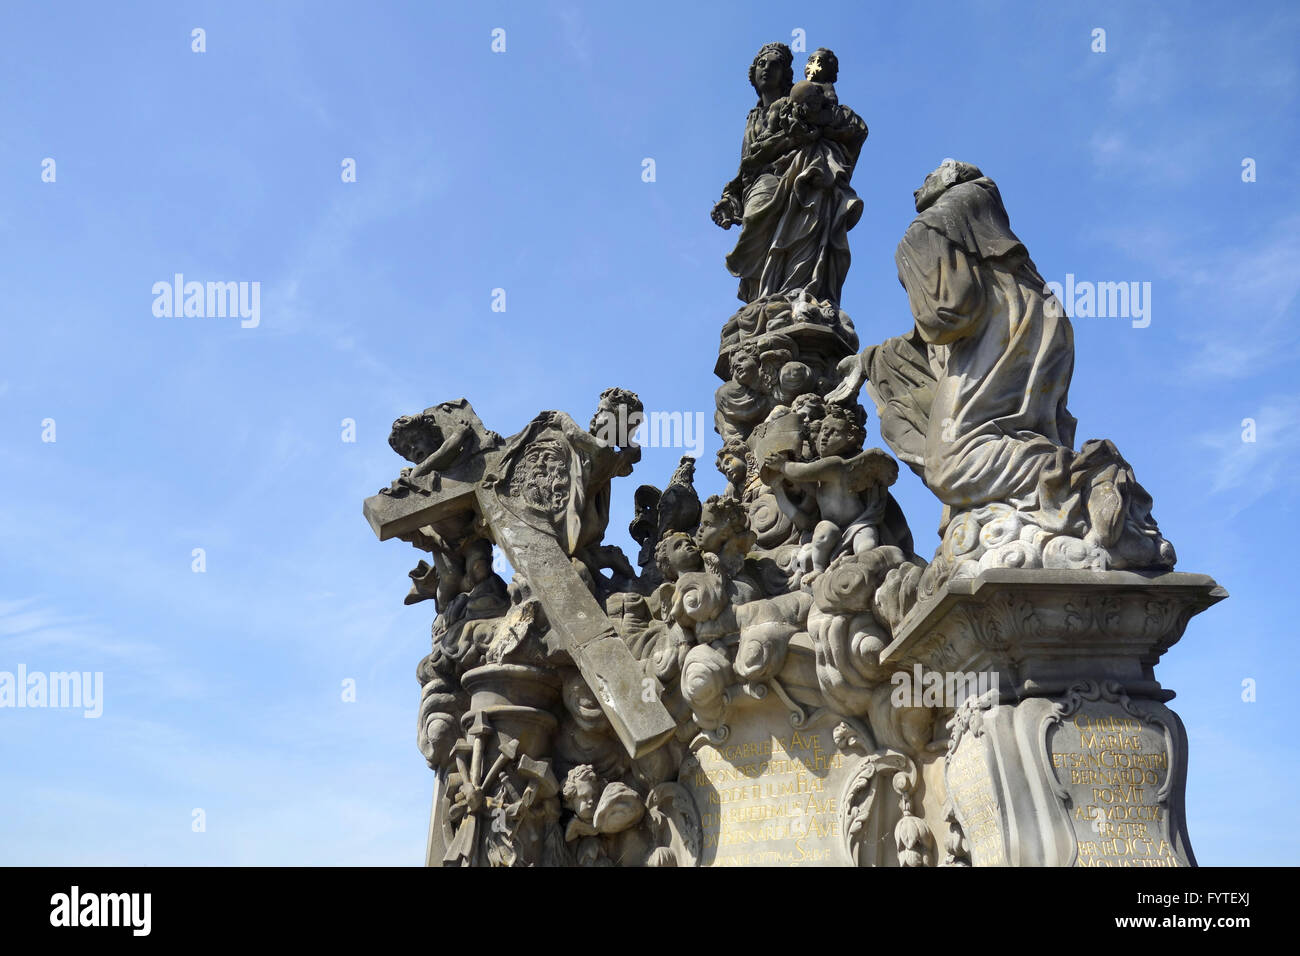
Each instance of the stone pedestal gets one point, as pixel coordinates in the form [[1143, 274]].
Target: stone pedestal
[[788, 782], [1071, 758], [768, 794]]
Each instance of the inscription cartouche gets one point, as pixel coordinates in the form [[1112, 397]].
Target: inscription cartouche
[[1114, 766], [770, 799]]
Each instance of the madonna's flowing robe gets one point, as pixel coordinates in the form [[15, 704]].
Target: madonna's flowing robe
[[797, 212]]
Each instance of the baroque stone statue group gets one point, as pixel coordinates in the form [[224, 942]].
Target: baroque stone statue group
[[778, 676]]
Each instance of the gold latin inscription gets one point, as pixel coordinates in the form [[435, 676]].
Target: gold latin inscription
[[1114, 776], [767, 801]]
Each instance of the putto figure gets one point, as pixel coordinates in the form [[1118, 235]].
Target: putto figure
[[792, 197], [847, 488], [823, 68]]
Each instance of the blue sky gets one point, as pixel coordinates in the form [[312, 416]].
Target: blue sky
[[522, 170]]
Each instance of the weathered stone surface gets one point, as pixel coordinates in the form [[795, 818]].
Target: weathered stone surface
[[787, 789], [791, 196], [1085, 778], [1040, 631], [768, 794], [534, 548], [780, 679], [1062, 752], [973, 398]]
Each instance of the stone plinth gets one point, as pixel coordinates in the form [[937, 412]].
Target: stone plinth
[[1041, 630], [788, 782], [769, 793], [1072, 759]]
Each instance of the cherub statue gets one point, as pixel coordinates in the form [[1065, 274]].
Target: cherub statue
[[803, 113], [736, 463], [676, 508], [603, 815], [794, 379], [433, 441], [809, 408], [742, 402], [455, 570], [470, 598], [723, 535], [823, 68], [586, 736], [677, 554], [850, 487], [581, 793]]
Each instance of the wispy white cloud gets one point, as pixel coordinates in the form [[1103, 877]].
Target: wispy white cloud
[[577, 35], [1247, 471], [1146, 75], [1236, 302], [37, 635], [1143, 154]]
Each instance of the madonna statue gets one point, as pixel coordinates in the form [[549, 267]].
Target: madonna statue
[[792, 198]]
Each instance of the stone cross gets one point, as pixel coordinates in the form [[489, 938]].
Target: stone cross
[[468, 489]]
